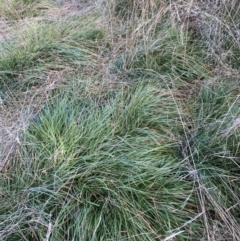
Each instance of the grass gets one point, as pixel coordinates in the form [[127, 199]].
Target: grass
[[47, 45], [119, 121], [98, 167], [212, 149], [167, 51], [17, 10]]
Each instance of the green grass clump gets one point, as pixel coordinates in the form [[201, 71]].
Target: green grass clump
[[169, 52], [128, 10], [17, 10], [49, 45], [154, 45], [212, 151], [94, 171]]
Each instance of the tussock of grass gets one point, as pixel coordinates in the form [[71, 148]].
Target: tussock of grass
[[152, 41], [101, 172], [217, 27], [212, 151], [167, 52], [17, 10], [41, 45]]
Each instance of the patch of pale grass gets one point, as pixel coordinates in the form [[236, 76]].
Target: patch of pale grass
[[18, 108], [216, 25]]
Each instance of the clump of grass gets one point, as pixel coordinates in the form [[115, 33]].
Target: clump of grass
[[154, 42], [129, 10], [48, 45], [211, 153], [98, 172], [168, 52], [17, 10], [216, 27], [221, 34]]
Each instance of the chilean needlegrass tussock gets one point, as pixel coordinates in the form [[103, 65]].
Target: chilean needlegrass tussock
[[99, 172], [153, 44], [49, 45], [211, 153], [216, 26], [17, 10]]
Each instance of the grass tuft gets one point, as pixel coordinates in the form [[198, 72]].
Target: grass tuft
[[96, 176], [17, 10]]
